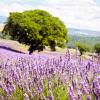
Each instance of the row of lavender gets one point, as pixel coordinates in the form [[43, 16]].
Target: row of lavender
[[48, 77]]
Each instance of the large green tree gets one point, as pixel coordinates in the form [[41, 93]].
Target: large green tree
[[36, 28]]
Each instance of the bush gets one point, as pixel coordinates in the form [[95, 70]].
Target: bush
[[82, 47], [97, 48], [5, 36]]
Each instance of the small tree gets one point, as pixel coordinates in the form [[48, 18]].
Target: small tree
[[97, 48], [37, 28], [82, 47]]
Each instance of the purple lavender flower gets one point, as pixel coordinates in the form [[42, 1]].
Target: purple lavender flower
[[51, 97], [26, 97], [70, 96], [79, 95], [88, 97], [85, 88], [74, 83], [96, 87]]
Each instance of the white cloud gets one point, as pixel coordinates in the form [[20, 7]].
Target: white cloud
[[83, 14], [5, 9], [77, 13]]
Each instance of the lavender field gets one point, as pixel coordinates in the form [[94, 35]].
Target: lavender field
[[48, 76], [49, 49]]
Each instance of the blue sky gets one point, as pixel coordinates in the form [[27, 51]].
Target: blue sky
[[97, 1], [84, 14]]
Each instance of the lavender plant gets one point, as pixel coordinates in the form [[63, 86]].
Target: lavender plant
[[48, 77]]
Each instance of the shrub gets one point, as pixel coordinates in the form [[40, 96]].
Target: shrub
[[82, 47], [97, 48]]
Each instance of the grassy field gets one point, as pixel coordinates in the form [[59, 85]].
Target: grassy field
[[14, 45], [24, 48]]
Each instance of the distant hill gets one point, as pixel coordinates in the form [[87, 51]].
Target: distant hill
[[83, 32], [86, 36]]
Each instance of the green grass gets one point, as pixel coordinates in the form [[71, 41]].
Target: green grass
[[60, 93]]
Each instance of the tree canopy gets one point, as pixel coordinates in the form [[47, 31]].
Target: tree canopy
[[82, 47], [36, 28]]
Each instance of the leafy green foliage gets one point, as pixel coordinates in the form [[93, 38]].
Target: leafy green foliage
[[97, 48], [5, 36], [82, 47], [36, 28]]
